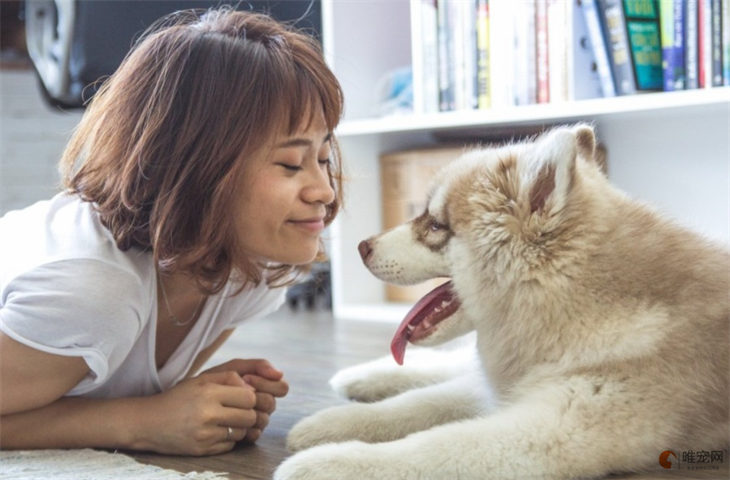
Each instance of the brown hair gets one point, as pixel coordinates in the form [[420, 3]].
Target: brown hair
[[160, 146]]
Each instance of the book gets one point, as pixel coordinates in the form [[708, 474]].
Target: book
[[525, 55], [611, 14], [483, 83], [584, 80], [424, 48], [599, 47], [445, 60], [671, 13], [501, 55], [642, 27], [716, 47], [725, 24], [541, 35], [691, 44], [704, 44], [559, 36]]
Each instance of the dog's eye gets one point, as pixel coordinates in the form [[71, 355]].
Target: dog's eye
[[436, 226]]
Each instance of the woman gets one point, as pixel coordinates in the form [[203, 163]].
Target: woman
[[197, 183]]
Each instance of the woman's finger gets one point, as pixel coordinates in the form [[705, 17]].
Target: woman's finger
[[265, 402], [239, 417], [277, 388]]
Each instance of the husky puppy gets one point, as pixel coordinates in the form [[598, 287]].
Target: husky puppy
[[602, 333]]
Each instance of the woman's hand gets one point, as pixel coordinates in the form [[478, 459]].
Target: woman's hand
[[268, 384], [193, 417]]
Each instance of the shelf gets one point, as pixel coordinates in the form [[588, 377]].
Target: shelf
[[544, 113]]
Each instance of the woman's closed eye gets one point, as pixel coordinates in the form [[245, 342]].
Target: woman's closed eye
[[290, 167]]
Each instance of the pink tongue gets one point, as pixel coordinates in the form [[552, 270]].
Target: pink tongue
[[425, 308]]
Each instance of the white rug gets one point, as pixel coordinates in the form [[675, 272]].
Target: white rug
[[86, 464]]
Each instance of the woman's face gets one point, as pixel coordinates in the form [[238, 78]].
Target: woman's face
[[284, 194]]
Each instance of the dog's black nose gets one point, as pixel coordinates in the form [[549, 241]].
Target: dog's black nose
[[365, 250]]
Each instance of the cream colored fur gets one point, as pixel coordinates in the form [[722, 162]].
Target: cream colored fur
[[602, 334]]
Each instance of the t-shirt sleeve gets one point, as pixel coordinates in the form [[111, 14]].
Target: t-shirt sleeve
[[83, 308]]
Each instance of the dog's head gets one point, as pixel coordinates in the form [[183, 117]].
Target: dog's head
[[495, 218]]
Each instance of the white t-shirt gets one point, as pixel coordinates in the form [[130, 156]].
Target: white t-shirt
[[66, 289]]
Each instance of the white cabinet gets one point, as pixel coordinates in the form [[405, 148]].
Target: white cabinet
[[669, 149]]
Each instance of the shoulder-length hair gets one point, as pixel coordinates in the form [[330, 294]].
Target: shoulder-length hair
[[162, 143]]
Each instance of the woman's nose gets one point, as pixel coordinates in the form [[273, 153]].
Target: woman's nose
[[319, 190]]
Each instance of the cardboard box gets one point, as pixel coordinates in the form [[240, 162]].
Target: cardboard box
[[406, 177]]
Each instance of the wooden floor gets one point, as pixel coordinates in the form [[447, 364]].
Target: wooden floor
[[309, 347]]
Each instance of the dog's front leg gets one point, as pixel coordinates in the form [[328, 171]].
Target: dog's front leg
[[563, 431], [383, 378], [395, 417]]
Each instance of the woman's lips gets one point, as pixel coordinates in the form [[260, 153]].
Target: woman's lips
[[312, 225]]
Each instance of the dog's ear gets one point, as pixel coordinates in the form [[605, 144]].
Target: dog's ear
[[552, 172]]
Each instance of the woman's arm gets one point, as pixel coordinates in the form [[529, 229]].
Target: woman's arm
[[30, 378], [191, 418]]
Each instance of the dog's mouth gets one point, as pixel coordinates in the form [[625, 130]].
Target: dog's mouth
[[437, 305]]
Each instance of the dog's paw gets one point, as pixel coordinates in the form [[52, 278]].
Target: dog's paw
[[341, 461], [335, 424], [368, 382]]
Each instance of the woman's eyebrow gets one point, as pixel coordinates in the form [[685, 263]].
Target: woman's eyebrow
[[301, 142]]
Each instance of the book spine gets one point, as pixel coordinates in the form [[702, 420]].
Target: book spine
[[642, 27], [470, 54], [691, 39], [583, 76], [614, 27], [725, 42], [457, 25], [716, 43], [483, 88], [671, 14], [705, 43], [502, 53], [543, 74], [557, 50], [598, 44], [525, 75], [445, 77], [429, 56]]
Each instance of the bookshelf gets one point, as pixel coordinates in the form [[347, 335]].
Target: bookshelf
[[670, 149]]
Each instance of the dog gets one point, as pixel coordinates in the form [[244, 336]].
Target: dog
[[600, 332]]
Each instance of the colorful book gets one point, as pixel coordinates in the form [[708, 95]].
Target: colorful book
[[599, 47], [642, 27], [704, 44], [613, 25], [671, 13]]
